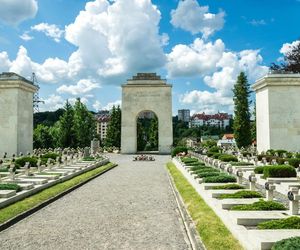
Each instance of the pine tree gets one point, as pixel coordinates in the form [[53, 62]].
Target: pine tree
[[113, 135], [241, 124], [153, 133], [84, 124], [67, 135]]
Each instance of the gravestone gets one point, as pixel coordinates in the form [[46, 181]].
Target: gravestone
[[278, 112], [16, 114], [146, 92], [95, 146]]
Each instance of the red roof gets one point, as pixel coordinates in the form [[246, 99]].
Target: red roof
[[228, 136]]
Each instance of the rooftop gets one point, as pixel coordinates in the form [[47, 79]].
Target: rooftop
[[8, 76]]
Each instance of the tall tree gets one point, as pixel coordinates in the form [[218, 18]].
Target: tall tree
[[42, 137], [153, 133], [113, 135], [67, 135], [84, 124], [291, 60], [241, 123]]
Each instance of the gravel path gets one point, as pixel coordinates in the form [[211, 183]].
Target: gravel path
[[130, 207]]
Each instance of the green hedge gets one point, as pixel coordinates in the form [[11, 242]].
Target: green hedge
[[194, 168], [229, 186], [216, 155], [8, 186], [294, 162], [292, 222], [241, 194], [287, 244], [279, 171], [178, 150], [198, 163], [259, 170], [20, 162], [220, 179], [207, 174], [261, 205], [214, 149], [188, 160], [227, 158], [50, 155], [240, 163]]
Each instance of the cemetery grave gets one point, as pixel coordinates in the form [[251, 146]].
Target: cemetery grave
[[24, 176], [243, 208]]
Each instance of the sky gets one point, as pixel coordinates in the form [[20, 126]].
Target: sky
[[87, 49]]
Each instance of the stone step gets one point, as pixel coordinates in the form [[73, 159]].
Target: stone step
[[34, 181], [209, 186], [265, 239], [217, 193], [7, 193], [252, 218], [229, 203]]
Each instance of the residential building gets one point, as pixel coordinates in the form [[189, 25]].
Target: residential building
[[227, 141], [221, 120], [184, 115], [102, 120]]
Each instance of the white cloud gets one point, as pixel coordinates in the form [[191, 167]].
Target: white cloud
[[97, 105], [110, 105], [52, 103], [5, 63], [192, 17], [26, 37], [226, 70], [14, 12], [287, 47], [50, 30], [196, 59], [82, 87]]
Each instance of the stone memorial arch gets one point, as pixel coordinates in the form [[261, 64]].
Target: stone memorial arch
[[146, 92]]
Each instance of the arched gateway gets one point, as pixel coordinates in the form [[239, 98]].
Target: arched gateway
[[146, 91]]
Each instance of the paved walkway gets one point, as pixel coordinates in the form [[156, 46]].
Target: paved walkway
[[130, 207]]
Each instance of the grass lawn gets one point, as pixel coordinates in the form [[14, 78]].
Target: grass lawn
[[213, 232], [19, 207]]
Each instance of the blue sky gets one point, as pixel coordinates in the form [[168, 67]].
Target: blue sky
[[88, 49]]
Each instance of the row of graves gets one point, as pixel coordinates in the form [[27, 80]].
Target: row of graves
[[22, 176], [258, 204]]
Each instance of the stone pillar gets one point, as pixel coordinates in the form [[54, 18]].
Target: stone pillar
[[146, 92], [278, 112], [16, 114]]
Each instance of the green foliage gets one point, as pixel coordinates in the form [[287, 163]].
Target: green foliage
[[113, 137], [179, 149], [227, 158], [206, 170], [292, 243], [196, 164], [42, 137], [67, 134], [241, 124], [260, 205], [279, 171], [229, 187], [292, 222], [214, 149], [89, 158], [216, 155], [207, 174], [188, 160], [8, 186], [220, 179], [20, 162], [47, 118], [84, 124], [259, 170], [200, 167], [294, 162], [50, 155], [241, 194], [240, 163], [209, 144]]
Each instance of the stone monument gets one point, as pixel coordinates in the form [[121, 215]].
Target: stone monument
[[16, 114], [278, 112], [146, 92]]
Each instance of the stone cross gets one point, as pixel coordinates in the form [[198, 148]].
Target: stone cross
[[39, 165], [270, 187], [12, 172], [27, 167], [294, 197], [49, 163], [239, 175], [252, 180]]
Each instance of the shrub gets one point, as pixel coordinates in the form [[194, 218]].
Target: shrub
[[287, 244], [280, 152], [20, 162], [8, 186], [279, 171], [227, 158], [195, 168], [207, 174], [259, 170], [241, 194], [261, 205], [210, 154], [179, 149], [292, 222], [50, 155], [214, 149], [89, 158], [294, 162], [229, 186], [219, 179], [207, 170], [216, 155], [198, 163], [241, 163], [4, 169], [188, 160]]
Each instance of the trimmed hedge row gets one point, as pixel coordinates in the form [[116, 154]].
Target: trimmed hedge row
[[241, 194], [178, 150], [292, 222], [260, 205], [229, 187], [8, 186], [222, 178], [276, 171], [292, 243]]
